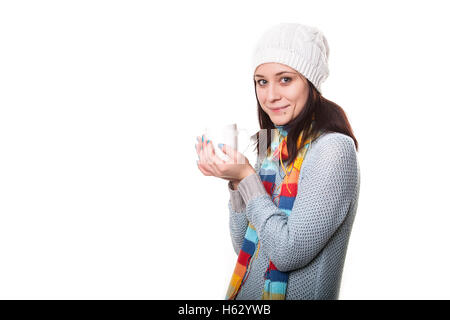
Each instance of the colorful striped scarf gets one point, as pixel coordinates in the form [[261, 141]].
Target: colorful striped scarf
[[275, 281]]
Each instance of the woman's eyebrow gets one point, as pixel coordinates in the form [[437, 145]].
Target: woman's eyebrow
[[258, 75]]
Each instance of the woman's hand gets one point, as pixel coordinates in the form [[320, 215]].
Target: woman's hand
[[234, 169]]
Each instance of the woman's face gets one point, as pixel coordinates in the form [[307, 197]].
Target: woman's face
[[279, 86]]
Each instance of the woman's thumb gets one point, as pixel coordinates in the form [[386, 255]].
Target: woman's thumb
[[228, 150]]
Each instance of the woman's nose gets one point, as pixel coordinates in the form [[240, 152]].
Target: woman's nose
[[273, 93]]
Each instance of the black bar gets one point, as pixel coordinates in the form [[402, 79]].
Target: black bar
[[218, 309]]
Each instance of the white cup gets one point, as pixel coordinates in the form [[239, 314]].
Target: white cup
[[229, 135]]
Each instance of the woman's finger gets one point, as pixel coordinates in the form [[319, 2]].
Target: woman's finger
[[201, 163], [215, 160], [201, 157], [211, 153], [215, 157], [208, 164], [206, 157], [200, 150], [203, 154], [208, 150], [216, 163], [203, 151]]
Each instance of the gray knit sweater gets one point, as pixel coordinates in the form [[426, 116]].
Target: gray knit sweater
[[311, 243]]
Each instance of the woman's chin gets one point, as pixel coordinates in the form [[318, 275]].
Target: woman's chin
[[279, 122]]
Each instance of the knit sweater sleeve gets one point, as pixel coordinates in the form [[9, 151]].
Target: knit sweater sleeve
[[237, 220], [325, 193]]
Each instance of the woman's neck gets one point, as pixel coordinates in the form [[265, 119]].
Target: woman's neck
[[282, 130]]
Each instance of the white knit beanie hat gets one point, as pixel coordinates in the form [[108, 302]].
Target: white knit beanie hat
[[303, 48]]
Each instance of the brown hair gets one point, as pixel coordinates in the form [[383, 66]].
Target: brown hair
[[328, 117]]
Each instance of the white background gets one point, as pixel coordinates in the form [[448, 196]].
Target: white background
[[100, 104]]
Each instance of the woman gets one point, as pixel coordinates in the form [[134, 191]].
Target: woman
[[291, 215]]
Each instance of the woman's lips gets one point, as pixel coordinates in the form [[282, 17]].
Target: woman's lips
[[279, 109]]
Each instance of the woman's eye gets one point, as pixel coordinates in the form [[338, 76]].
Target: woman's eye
[[289, 79], [260, 82]]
